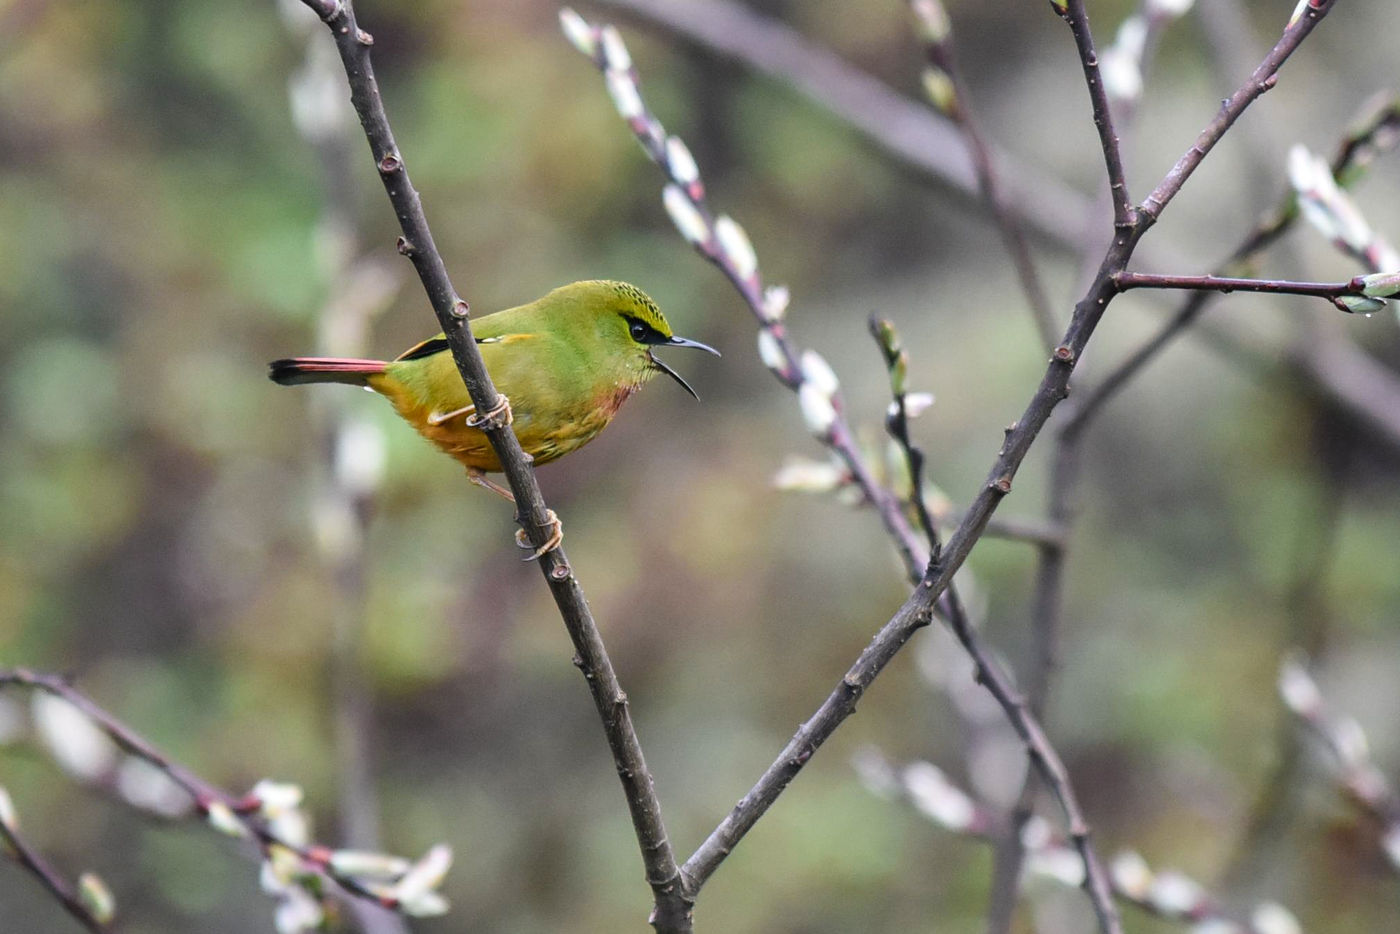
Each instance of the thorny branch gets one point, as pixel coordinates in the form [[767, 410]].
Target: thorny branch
[[673, 910]]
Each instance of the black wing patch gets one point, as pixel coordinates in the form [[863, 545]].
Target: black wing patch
[[435, 345]]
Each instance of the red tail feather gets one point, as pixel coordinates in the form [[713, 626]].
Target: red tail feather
[[297, 370]]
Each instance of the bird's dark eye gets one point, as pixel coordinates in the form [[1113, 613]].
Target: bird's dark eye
[[639, 332]]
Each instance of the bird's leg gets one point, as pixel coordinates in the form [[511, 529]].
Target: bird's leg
[[498, 416], [551, 521], [478, 477], [437, 418]]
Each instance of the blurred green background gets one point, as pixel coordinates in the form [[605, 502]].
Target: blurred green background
[[159, 218]]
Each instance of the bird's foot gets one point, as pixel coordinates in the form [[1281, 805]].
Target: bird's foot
[[555, 539], [498, 416]]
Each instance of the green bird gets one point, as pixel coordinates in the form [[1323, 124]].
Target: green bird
[[565, 364]]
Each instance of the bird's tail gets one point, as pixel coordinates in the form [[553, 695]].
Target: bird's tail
[[297, 370]]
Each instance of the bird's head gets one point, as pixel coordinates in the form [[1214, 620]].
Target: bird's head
[[630, 327]]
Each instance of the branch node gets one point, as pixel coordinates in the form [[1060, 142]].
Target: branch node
[[1064, 354], [1002, 485], [364, 38], [390, 164], [404, 247], [460, 309]]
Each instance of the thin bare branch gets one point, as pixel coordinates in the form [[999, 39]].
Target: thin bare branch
[[1075, 14], [943, 73], [63, 891], [672, 907]]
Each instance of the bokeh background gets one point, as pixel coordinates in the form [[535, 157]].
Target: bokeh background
[[162, 235]]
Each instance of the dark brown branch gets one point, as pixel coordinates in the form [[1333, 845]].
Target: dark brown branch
[[1077, 17], [1262, 79], [1378, 130], [672, 909], [63, 891], [898, 126], [917, 610]]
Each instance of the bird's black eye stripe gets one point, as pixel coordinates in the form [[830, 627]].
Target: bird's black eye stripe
[[642, 332]]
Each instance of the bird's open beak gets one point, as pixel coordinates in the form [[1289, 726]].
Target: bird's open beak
[[680, 342]]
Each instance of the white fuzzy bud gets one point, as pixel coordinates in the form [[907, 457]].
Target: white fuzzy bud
[[77, 744], [221, 817], [1273, 918], [917, 403], [145, 786], [625, 96], [1131, 874], [280, 870], [8, 817], [1298, 689], [1359, 304], [426, 874], [1381, 284], [424, 905], [770, 351], [1059, 863], [685, 215], [359, 457], [96, 898], [818, 372], [735, 243], [1216, 926], [297, 912], [368, 865], [276, 797], [1172, 8], [680, 162], [1121, 72], [940, 90], [775, 302], [615, 54], [818, 411], [1174, 893], [292, 827], [875, 772], [807, 476], [935, 797], [582, 36], [1391, 842], [1350, 741], [933, 23]]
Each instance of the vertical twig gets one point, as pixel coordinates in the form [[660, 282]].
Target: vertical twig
[[673, 908], [943, 73]]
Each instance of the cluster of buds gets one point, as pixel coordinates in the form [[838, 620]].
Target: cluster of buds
[[1167, 894], [936, 32], [720, 239], [1333, 213], [1121, 63], [296, 872], [1346, 741], [1175, 896]]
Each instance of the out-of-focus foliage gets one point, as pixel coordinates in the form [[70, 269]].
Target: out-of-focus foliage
[[157, 219]]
